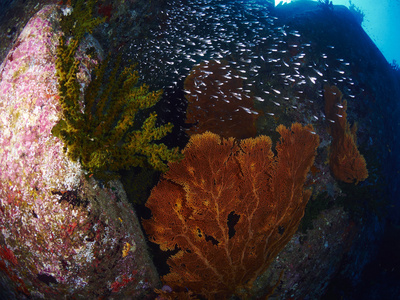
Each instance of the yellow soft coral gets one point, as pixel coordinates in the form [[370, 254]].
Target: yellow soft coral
[[102, 133]]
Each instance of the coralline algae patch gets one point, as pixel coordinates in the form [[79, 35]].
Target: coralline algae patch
[[59, 228], [31, 158]]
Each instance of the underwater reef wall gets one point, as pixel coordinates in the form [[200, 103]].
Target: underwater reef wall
[[336, 45], [63, 233], [281, 58]]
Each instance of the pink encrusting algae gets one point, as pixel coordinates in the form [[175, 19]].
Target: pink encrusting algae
[[62, 232]]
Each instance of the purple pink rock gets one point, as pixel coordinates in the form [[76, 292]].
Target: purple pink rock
[[63, 234]]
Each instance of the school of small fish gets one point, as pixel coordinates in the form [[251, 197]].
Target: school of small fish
[[280, 68]]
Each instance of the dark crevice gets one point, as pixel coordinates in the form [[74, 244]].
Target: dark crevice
[[233, 219]]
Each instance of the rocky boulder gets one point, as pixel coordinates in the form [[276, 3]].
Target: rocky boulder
[[63, 233]]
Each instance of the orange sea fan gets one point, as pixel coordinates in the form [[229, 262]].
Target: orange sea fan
[[345, 160], [230, 207], [217, 102]]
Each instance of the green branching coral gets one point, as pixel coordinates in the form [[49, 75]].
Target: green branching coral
[[103, 135]]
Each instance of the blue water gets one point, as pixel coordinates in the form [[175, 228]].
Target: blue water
[[381, 22]]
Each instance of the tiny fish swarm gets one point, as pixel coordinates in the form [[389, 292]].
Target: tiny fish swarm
[[345, 160], [99, 132], [217, 102], [230, 207]]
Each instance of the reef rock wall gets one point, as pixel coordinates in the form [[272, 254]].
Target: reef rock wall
[[62, 232]]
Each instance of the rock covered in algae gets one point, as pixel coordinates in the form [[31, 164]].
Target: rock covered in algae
[[62, 232]]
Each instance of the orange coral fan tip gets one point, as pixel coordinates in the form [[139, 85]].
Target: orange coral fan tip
[[257, 142], [301, 132], [198, 140]]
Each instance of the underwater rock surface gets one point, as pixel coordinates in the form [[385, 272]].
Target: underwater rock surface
[[284, 56], [62, 232]]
